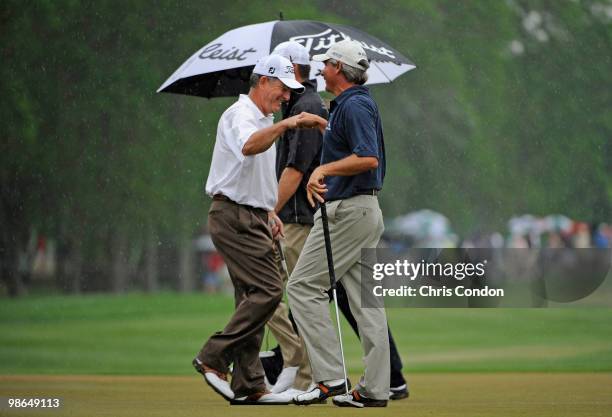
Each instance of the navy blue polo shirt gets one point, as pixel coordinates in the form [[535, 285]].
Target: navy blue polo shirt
[[354, 127]]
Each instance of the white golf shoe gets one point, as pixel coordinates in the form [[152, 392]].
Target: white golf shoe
[[263, 398], [354, 399], [285, 379], [320, 393], [215, 379]]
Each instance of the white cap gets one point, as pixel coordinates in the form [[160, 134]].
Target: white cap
[[349, 52], [278, 67], [293, 51]]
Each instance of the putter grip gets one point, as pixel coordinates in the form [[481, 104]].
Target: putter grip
[[328, 249]]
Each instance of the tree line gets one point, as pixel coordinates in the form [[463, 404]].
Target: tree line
[[507, 112]]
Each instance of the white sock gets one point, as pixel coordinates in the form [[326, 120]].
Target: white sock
[[333, 382]]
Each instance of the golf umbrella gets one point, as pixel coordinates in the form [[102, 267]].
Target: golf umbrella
[[222, 67], [421, 224]]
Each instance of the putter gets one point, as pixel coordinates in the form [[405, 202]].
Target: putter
[[332, 281]]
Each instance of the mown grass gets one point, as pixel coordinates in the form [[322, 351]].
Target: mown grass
[[139, 334], [432, 394]]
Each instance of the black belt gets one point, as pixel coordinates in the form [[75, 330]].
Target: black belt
[[373, 191], [221, 197]]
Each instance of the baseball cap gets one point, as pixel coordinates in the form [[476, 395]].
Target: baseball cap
[[347, 51], [293, 51], [278, 67]]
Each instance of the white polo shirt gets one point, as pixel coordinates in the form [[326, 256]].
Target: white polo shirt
[[249, 180]]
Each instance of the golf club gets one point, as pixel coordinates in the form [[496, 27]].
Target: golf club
[[332, 280], [282, 257]]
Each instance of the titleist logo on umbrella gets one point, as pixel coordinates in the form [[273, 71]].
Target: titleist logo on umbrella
[[216, 51], [320, 42], [221, 68]]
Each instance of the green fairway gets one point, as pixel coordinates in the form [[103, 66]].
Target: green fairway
[[433, 395], [159, 334]]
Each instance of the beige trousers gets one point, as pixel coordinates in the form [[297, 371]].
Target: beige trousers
[[354, 223], [291, 344]]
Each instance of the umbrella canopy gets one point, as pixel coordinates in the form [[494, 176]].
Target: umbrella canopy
[[558, 223], [222, 67], [424, 228], [422, 224]]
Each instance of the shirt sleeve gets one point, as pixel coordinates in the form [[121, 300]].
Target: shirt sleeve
[[240, 126], [360, 125], [303, 149], [305, 144]]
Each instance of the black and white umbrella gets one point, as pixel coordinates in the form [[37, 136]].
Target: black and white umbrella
[[223, 66]]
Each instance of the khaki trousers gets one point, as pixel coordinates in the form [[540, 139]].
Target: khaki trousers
[[291, 344], [354, 223], [242, 236]]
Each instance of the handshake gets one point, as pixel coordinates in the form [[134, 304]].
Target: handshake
[[306, 121]]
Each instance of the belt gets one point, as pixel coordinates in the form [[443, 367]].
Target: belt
[[221, 197], [372, 191]]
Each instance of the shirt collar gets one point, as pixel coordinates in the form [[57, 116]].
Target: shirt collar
[[244, 98], [351, 91]]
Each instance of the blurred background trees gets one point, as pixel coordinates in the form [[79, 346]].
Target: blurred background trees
[[509, 111]]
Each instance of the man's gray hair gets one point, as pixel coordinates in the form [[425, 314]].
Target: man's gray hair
[[254, 80], [352, 74]]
